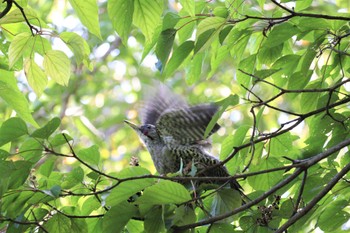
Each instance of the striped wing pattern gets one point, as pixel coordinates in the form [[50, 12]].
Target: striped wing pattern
[[185, 126], [159, 100]]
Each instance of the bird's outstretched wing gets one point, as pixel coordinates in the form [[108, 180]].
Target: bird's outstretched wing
[[185, 126], [158, 100]]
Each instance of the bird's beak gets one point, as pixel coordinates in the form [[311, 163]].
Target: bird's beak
[[132, 125]]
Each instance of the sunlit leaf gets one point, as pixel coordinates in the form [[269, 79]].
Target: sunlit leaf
[[87, 12], [147, 16], [121, 13], [17, 46], [118, 216], [164, 192], [12, 129], [47, 129], [35, 76], [77, 44], [57, 66]]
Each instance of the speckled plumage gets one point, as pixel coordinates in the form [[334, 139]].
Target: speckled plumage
[[173, 133]]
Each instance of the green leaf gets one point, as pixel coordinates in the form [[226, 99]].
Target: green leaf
[[195, 70], [184, 214], [188, 6], [47, 129], [58, 223], [147, 16], [35, 76], [179, 55], [231, 100], [218, 58], [73, 178], [47, 167], [57, 66], [208, 30], [333, 217], [121, 12], [266, 180], [165, 44], [164, 192], [12, 129], [225, 200], [87, 12], [19, 174], [18, 46], [79, 225], [78, 45], [280, 34], [210, 23], [59, 139], [54, 191], [170, 20], [154, 220], [90, 155], [11, 94], [118, 216], [16, 16], [128, 188], [233, 141], [31, 150], [283, 145]]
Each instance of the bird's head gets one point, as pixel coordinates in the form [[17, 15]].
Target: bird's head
[[147, 132]]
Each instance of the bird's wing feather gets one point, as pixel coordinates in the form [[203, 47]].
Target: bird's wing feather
[[158, 100], [187, 125]]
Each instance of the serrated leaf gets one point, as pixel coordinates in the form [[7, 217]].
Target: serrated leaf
[[147, 16], [195, 70], [58, 223], [57, 66], [164, 192], [154, 220], [231, 100], [225, 200], [47, 129], [210, 23], [90, 155], [188, 6], [121, 9], [266, 180], [232, 141], [73, 178], [280, 34], [31, 150], [118, 216], [18, 46], [77, 44], [87, 12], [170, 20], [11, 94], [59, 139], [126, 189], [179, 55], [12, 129], [165, 45], [16, 16], [35, 76]]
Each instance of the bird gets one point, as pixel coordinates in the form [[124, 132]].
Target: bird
[[174, 134]]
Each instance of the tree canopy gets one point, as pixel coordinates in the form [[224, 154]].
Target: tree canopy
[[72, 71]]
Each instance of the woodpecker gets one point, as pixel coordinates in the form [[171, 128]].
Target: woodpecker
[[173, 133]]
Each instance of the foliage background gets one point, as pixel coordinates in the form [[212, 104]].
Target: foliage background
[[279, 70]]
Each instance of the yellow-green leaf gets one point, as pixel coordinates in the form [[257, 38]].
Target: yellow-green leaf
[[17, 47], [57, 66], [87, 12], [147, 16], [121, 9], [35, 76]]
